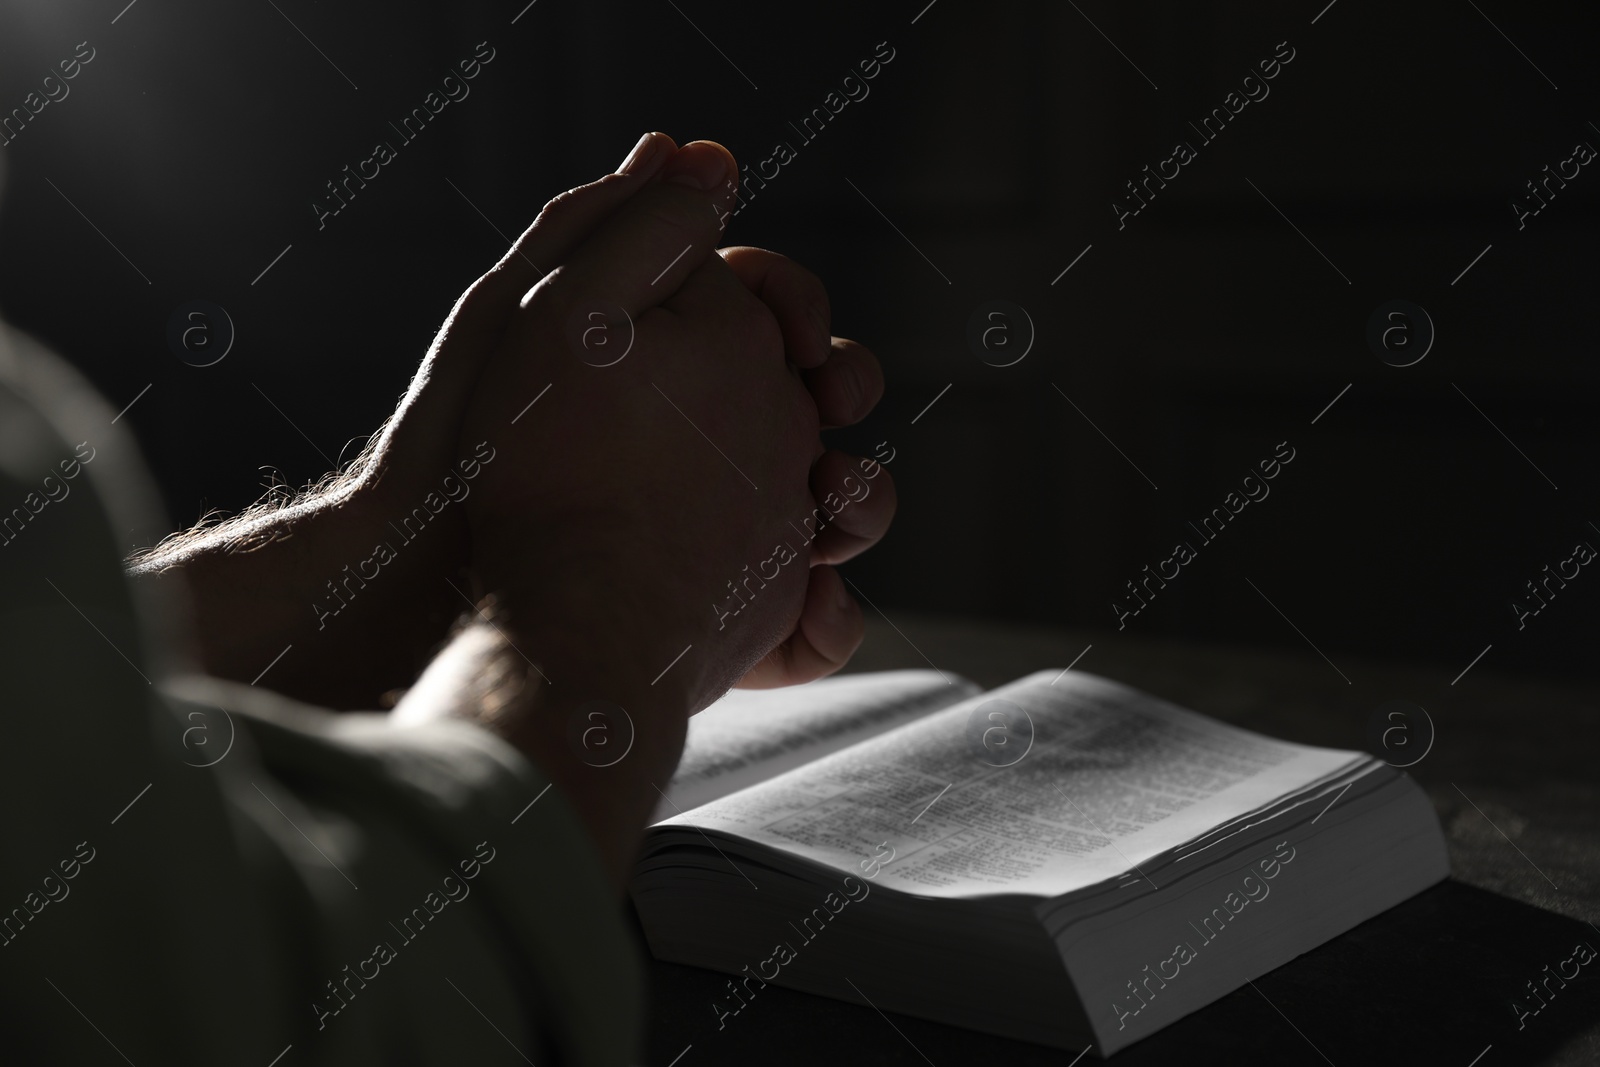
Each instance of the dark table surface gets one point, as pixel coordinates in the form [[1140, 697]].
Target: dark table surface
[[1512, 772]]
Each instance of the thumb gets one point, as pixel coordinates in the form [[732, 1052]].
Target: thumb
[[567, 219], [442, 386], [562, 224], [641, 254]]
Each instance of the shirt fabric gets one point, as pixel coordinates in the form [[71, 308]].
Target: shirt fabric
[[197, 871]]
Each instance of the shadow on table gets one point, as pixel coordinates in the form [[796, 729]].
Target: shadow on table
[[1432, 980]]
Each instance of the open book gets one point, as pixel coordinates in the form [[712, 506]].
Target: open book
[[1062, 860]]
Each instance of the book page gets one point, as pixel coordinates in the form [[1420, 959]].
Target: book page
[[942, 807], [751, 735]]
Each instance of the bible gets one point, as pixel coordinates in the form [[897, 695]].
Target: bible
[[1064, 860]]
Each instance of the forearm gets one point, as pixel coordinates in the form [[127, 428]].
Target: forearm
[[353, 599]]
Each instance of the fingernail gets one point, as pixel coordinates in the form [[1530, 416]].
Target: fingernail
[[841, 597], [643, 155], [699, 169]]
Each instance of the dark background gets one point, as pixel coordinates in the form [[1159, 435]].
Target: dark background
[[1196, 338]]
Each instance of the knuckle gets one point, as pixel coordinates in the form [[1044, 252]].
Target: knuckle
[[564, 204], [490, 291], [485, 290], [561, 290], [562, 208], [558, 207]]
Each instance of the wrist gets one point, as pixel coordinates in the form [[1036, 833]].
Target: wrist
[[337, 576], [578, 618], [610, 744]]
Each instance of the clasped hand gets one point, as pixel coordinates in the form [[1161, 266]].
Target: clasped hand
[[647, 474]]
